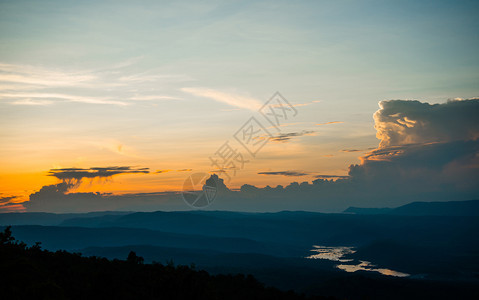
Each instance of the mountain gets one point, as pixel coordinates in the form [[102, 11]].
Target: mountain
[[367, 211], [42, 218], [72, 238], [450, 208]]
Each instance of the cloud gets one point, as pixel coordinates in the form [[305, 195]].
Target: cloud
[[356, 150], [73, 176], [227, 98], [38, 76], [36, 99], [431, 154], [32, 102], [426, 153], [322, 176], [327, 123], [153, 77], [302, 104], [168, 170], [400, 122], [153, 97], [41, 86], [6, 199], [285, 173], [54, 198], [286, 137]]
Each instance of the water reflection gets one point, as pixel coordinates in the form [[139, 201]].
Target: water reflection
[[331, 253], [367, 266], [338, 253]]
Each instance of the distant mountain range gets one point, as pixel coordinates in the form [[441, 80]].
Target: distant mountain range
[[450, 208]]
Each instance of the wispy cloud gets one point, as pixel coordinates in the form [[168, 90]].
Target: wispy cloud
[[31, 75], [152, 77], [32, 102], [327, 123], [306, 103], [227, 98], [33, 99], [153, 97], [286, 137], [323, 176], [6, 199], [285, 173], [356, 150], [33, 85], [290, 173], [168, 170]]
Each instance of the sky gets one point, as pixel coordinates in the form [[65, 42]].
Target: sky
[[124, 100]]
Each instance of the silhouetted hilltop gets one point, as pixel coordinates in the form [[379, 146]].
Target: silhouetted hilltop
[[33, 273]]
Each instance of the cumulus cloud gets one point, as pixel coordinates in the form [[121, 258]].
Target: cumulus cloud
[[400, 122], [427, 152]]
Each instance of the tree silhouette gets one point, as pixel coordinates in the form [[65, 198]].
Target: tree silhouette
[[33, 273], [134, 259]]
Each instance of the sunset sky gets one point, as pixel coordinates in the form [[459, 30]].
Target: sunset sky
[[163, 85]]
